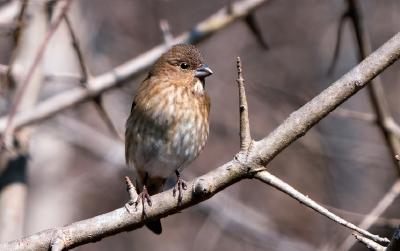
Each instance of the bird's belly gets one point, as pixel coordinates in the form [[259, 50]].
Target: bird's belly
[[174, 147]]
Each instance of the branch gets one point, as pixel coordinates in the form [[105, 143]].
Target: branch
[[86, 76], [245, 136], [206, 186], [119, 75], [369, 243], [372, 216], [275, 182]]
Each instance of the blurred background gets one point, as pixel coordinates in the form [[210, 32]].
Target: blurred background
[[76, 165]]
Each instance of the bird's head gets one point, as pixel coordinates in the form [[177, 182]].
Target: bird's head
[[183, 65]]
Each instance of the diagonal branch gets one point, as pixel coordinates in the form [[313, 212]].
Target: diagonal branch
[[275, 182], [85, 78], [206, 186]]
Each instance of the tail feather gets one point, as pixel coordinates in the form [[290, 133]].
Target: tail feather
[[155, 226]]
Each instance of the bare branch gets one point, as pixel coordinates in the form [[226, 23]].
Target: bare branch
[[206, 186], [369, 243], [86, 76], [372, 216], [277, 183], [245, 136]]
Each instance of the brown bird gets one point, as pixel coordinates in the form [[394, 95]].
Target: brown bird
[[168, 124]]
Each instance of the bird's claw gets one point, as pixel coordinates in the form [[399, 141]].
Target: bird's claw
[[179, 186], [142, 197]]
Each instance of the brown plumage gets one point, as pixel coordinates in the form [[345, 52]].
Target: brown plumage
[[168, 124]]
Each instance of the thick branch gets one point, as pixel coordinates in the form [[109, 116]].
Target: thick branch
[[126, 71], [211, 183]]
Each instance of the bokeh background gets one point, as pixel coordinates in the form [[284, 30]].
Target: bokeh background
[[76, 167]]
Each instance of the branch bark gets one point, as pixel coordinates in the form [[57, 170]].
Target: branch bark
[[206, 186]]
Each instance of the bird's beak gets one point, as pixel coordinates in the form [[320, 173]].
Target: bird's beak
[[203, 71]]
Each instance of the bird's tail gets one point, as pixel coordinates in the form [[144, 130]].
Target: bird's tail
[[155, 226], [154, 186]]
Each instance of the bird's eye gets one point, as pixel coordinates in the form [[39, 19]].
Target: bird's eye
[[184, 65]]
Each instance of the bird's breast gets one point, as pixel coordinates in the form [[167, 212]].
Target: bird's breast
[[172, 127]]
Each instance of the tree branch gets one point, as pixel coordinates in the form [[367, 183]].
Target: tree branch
[[245, 136], [206, 186]]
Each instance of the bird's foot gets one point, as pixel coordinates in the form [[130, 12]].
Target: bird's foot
[[179, 186], [143, 197]]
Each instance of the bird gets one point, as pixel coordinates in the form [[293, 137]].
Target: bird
[[168, 125]]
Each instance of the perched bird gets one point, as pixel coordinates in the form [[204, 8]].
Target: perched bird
[[168, 124]]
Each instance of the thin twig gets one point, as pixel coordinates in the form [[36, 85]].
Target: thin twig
[[369, 243], [166, 31], [338, 42], [277, 183], [85, 76], [375, 213], [245, 136]]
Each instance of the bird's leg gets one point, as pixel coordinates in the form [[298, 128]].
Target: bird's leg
[[143, 197], [180, 185]]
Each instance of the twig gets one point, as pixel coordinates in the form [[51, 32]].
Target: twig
[[206, 186], [126, 71], [338, 42], [369, 243], [8, 131], [372, 216], [251, 22], [277, 183], [57, 242], [245, 136], [85, 78], [166, 31]]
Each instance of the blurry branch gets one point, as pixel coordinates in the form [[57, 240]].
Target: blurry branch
[[121, 74], [384, 119], [166, 31], [85, 78], [255, 29], [9, 128], [14, 163], [204, 187]]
